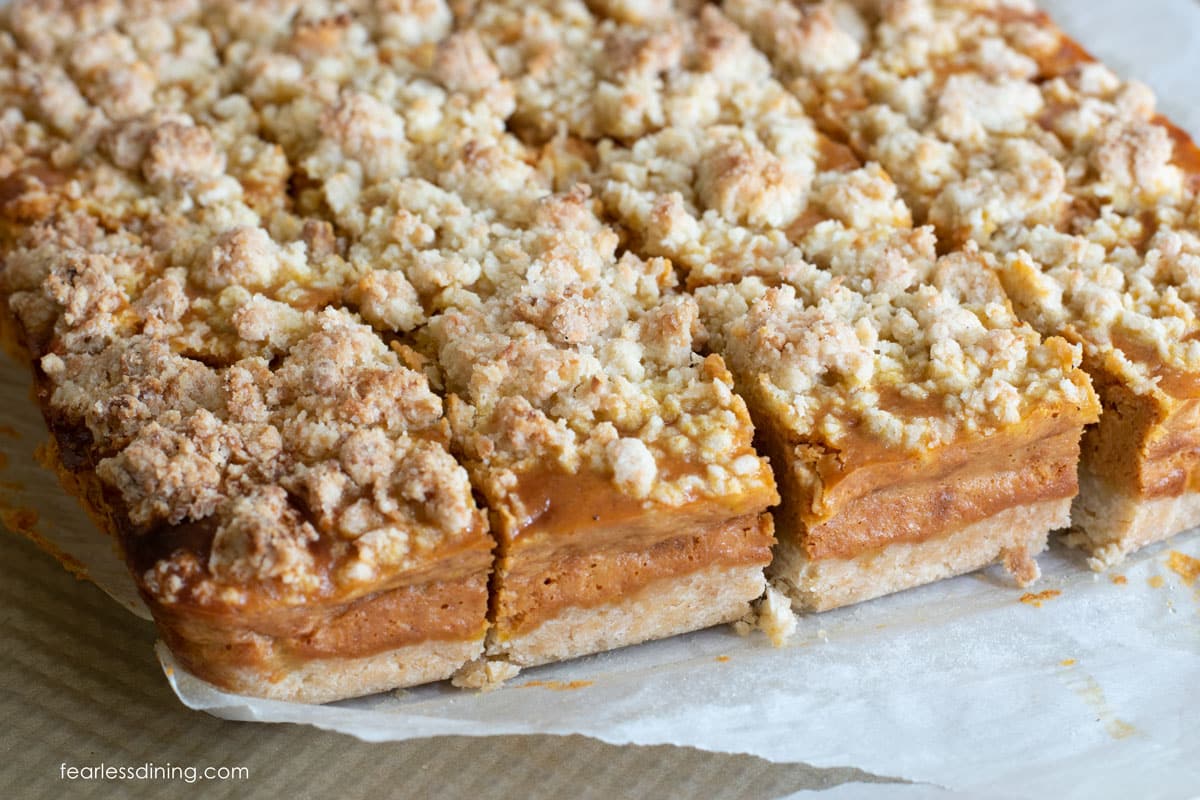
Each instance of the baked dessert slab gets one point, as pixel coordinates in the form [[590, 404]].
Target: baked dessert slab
[[998, 129], [302, 228], [385, 337]]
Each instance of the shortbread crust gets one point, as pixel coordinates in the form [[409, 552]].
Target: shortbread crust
[[1011, 537], [698, 599]]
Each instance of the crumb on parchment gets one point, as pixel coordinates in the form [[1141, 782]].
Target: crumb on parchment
[[772, 614], [1036, 599], [484, 674], [1184, 566]]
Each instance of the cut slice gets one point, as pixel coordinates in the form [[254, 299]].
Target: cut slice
[[594, 571], [1135, 316], [617, 465], [287, 547], [711, 163], [915, 436]]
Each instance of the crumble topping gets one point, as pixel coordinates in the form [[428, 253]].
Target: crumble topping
[[828, 304], [252, 233], [1063, 171], [915, 370], [584, 361], [1133, 308], [356, 439]]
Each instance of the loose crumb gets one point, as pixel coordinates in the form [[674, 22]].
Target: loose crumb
[[771, 614], [1120, 580], [1036, 599], [1156, 582], [722, 659], [1021, 566], [557, 686], [1067, 662], [1184, 566], [484, 675]]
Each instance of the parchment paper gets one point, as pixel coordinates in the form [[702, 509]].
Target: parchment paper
[[971, 685]]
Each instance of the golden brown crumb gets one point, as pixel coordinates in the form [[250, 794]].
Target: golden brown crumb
[[1036, 599], [1184, 566]]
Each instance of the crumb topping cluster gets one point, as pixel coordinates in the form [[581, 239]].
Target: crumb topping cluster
[[998, 131], [834, 312], [917, 370], [579, 360]]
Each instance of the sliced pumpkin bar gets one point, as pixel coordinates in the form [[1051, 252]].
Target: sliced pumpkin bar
[[617, 465], [296, 524], [1132, 308], [608, 467], [280, 484], [916, 434], [1119, 275]]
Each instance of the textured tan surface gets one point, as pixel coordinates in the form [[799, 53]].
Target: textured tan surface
[[664, 608], [79, 684], [1113, 524], [830, 583], [322, 681]]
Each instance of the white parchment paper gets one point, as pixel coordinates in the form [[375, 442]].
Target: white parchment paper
[[1090, 690]]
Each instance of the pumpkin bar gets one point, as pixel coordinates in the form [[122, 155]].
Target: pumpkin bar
[[1000, 130], [293, 519], [279, 481], [916, 435], [1118, 275], [249, 252], [617, 465]]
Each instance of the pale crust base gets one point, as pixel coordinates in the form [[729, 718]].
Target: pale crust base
[[328, 679], [667, 607], [1111, 524], [1013, 536]]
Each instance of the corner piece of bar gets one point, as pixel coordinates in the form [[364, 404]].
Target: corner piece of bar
[[1010, 135], [279, 482]]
